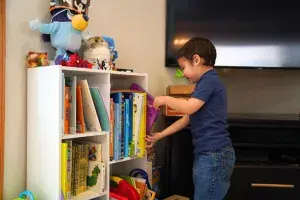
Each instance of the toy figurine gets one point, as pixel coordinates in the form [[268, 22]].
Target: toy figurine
[[72, 60], [96, 50], [26, 195], [100, 50], [68, 21], [37, 59]]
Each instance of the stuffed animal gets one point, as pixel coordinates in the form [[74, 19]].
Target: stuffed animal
[[73, 7], [100, 50], [96, 50], [68, 21], [111, 46], [72, 60]]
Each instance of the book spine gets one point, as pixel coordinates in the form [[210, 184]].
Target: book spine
[[111, 136]]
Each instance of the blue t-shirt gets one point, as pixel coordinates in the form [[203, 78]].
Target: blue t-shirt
[[209, 124]]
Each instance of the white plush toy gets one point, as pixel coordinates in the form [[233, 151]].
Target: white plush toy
[[96, 50]]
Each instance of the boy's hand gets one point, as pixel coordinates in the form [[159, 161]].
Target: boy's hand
[[158, 102], [152, 139]]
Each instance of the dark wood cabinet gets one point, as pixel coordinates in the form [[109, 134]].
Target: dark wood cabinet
[[250, 182], [268, 159]]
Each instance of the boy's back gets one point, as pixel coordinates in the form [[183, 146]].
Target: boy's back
[[209, 123]]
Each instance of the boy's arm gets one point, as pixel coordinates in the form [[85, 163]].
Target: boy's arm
[[176, 126], [187, 107], [201, 94]]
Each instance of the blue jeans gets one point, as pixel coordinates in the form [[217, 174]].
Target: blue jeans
[[211, 174]]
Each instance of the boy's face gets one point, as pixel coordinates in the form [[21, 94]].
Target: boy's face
[[191, 69]]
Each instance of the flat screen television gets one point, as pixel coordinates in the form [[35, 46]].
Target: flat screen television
[[246, 33]]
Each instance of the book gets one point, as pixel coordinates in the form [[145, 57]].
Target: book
[[152, 113], [71, 84], [89, 110], [100, 108], [80, 123], [64, 169], [129, 115]]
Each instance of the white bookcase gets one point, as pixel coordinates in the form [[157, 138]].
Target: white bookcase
[[45, 127]]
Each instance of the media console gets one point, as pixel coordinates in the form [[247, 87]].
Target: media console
[[267, 149]]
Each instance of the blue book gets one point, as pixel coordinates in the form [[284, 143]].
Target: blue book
[[116, 106], [126, 128], [117, 98], [128, 96]]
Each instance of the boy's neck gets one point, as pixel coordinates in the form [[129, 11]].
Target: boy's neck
[[201, 71], [205, 69]]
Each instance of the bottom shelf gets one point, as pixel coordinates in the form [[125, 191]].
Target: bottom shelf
[[87, 195]]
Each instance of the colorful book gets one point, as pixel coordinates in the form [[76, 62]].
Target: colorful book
[[69, 169], [100, 108], [71, 83], [142, 130], [80, 123], [117, 98], [111, 132], [66, 109], [64, 169], [89, 110], [128, 133], [152, 113]]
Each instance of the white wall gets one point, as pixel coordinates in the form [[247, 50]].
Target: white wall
[[20, 40], [139, 30]]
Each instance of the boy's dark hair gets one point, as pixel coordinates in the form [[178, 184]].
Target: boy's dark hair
[[200, 46]]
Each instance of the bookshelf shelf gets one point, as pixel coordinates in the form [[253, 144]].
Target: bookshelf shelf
[[45, 128], [122, 160], [88, 195], [81, 135]]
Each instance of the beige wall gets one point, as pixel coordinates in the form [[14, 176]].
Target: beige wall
[[20, 40], [139, 30]]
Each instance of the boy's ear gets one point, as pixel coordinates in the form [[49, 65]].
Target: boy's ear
[[197, 60]]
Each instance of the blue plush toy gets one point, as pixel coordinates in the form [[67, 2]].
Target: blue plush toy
[[111, 46], [68, 21]]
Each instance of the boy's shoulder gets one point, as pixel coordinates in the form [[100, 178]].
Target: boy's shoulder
[[209, 84], [210, 79]]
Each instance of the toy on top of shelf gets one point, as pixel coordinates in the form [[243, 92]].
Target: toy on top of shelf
[[100, 50], [69, 20], [25, 195], [112, 48], [73, 60], [37, 59]]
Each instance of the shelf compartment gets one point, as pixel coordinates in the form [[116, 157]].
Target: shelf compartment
[[87, 195], [81, 135]]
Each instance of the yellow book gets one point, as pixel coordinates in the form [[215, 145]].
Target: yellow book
[[142, 132], [64, 166], [133, 146]]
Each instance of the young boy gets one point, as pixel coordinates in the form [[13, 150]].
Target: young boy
[[206, 112]]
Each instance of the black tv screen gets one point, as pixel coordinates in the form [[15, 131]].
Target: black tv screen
[[246, 33]]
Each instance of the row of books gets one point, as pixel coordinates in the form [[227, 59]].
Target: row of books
[[82, 168], [128, 122], [131, 115], [131, 118], [83, 109]]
